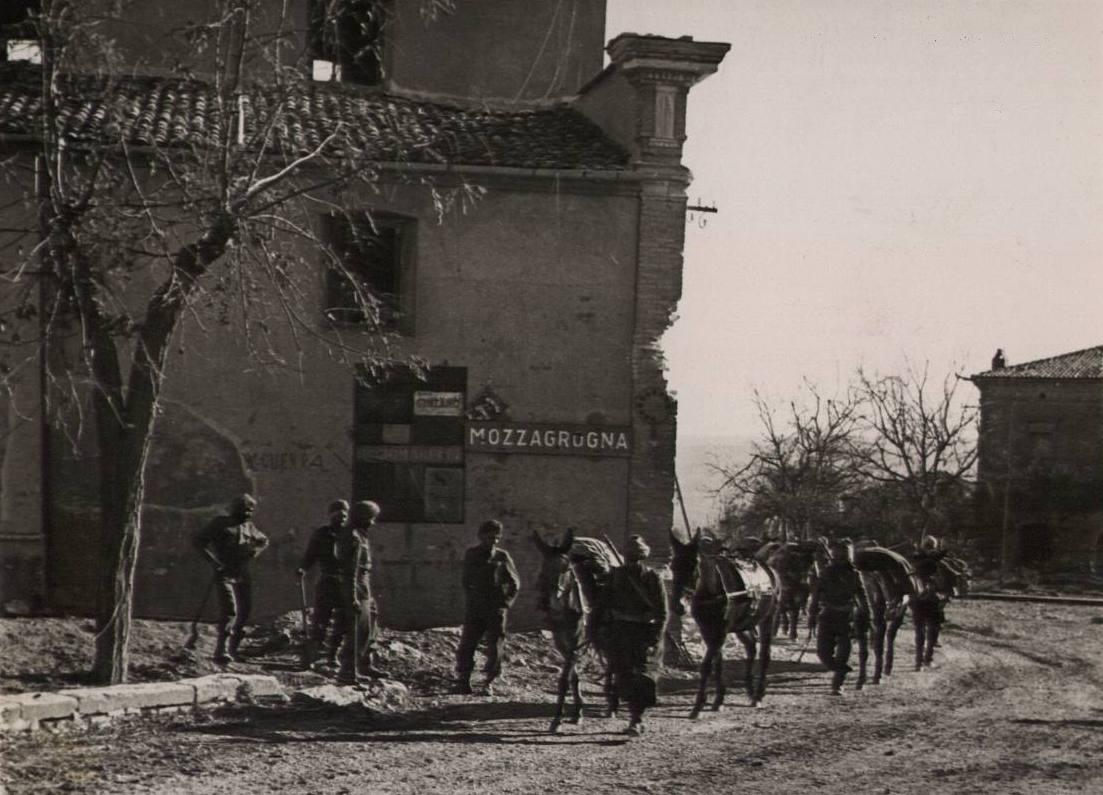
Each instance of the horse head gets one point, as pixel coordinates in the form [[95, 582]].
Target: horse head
[[685, 567], [555, 567]]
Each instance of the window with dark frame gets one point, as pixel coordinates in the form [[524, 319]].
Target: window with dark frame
[[366, 284], [18, 37], [409, 433], [348, 35]]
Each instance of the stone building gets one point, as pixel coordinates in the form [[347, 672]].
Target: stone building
[[1040, 460], [539, 312]]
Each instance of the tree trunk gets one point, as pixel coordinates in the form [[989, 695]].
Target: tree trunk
[[125, 430], [122, 486]]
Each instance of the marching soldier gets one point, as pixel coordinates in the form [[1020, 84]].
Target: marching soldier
[[490, 585], [230, 543], [360, 611], [929, 607], [636, 606], [328, 607], [837, 595]]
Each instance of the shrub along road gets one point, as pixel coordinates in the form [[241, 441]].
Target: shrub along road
[[1015, 705]]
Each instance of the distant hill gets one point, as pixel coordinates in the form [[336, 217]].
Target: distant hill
[[695, 453]]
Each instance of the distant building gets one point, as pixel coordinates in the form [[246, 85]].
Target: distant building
[[1040, 464], [539, 311]]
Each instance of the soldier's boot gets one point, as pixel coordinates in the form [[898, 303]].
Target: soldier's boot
[[309, 654], [234, 643], [347, 676], [488, 683], [635, 725], [220, 655], [367, 667], [331, 659], [837, 680]]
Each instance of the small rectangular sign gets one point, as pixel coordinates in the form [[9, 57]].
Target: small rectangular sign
[[549, 439], [438, 404], [409, 454]]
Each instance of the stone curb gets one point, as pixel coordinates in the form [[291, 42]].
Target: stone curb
[[97, 705]]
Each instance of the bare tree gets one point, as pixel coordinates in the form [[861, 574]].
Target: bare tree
[[800, 467], [919, 438], [117, 231]]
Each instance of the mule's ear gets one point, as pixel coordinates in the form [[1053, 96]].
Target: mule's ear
[[540, 543], [568, 540], [674, 541]]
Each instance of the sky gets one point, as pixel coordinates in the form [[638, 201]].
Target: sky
[[897, 181]]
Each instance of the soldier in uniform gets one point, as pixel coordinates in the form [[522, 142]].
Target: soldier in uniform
[[929, 607], [361, 614], [635, 604], [328, 607], [490, 585], [230, 542], [837, 595]]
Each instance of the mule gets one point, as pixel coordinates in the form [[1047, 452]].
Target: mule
[[890, 584], [794, 564], [727, 595], [568, 585]]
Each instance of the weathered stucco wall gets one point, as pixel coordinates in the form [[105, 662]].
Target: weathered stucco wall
[[487, 50], [1045, 439], [22, 543], [532, 290]]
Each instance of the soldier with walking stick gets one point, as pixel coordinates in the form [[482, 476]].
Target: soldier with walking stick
[[328, 606], [230, 543]]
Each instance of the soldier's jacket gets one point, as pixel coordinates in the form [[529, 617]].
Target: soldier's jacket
[[636, 594], [840, 589], [232, 543], [322, 549], [490, 579], [926, 563], [354, 565]]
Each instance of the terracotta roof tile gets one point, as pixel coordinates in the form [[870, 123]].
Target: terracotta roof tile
[[165, 111], [1087, 363]]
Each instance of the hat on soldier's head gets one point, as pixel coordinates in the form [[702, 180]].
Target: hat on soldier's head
[[490, 526], [637, 549], [842, 545], [364, 513], [338, 505], [928, 544], [244, 501]]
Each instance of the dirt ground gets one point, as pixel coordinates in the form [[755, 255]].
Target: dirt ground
[[1015, 705]]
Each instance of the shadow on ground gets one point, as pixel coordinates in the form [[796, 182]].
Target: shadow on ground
[[487, 722]]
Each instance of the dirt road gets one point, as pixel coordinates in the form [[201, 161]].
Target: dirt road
[[1014, 706]]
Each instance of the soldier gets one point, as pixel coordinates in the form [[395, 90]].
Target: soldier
[[929, 607], [360, 611], [635, 603], [230, 542], [490, 585], [836, 596], [322, 549]]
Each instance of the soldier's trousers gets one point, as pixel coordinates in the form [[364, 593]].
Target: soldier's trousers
[[833, 642], [328, 608], [361, 630], [488, 624], [235, 603], [928, 615]]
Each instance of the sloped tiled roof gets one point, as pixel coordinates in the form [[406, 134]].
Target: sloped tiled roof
[[170, 112], [1087, 363]]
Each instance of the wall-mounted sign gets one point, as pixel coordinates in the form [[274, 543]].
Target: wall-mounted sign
[[547, 439], [409, 454], [438, 404]]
